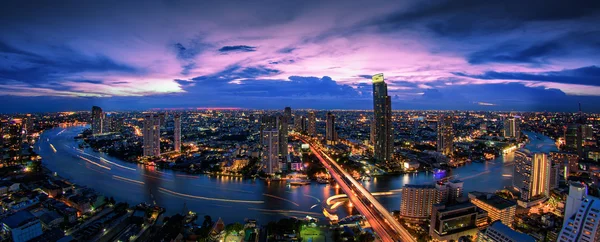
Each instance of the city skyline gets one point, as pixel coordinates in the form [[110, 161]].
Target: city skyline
[[444, 55]]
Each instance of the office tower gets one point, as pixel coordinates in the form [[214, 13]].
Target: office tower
[[151, 135], [177, 132], [312, 124], [583, 225], [574, 135], [270, 150], [497, 207], [107, 123], [499, 232], [577, 192], [330, 133], [511, 128], [531, 174], [282, 124], [568, 163], [116, 124], [450, 222], [300, 124], [287, 113], [383, 141], [97, 119], [445, 135], [162, 119]]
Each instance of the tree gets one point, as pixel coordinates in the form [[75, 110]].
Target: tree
[[234, 227], [207, 221]]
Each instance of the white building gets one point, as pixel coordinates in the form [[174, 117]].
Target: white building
[[582, 224], [177, 132], [22, 226], [270, 151], [499, 232]]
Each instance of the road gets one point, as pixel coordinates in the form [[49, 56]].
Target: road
[[385, 226]]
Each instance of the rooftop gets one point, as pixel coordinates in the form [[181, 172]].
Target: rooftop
[[493, 200], [514, 235], [17, 219]]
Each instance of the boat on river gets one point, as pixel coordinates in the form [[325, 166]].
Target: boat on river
[[298, 182]]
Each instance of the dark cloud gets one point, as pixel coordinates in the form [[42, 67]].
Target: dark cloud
[[465, 17], [365, 76], [510, 53], [589, 75], [237, 48], [286, 50]]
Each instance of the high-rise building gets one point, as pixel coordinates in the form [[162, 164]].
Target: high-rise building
[[282, 125], [312, 124], [270, 150], [162, 118], [417, 200], [574, 134], [177, 132], [151, 135], [300, 124], [582, 221], [450, 222], [330, 133], [383, 139], [445, 135], [497, 207], [568, 163], [511, 128], [499, 232], [97, 120], [287, 113], [531, 174]]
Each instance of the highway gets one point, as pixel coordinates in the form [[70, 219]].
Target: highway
[[385, 226]]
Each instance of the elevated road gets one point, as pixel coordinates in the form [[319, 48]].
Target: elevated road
[[384, 225]]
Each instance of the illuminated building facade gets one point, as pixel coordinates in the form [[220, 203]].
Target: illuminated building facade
[[417, 200], [330, 133], [177, 132], [445, 135], [282, 126], [382, 134], [312, 124], [300, 124], [97, 120], [569, 163], [511, 128], [531, 174], [270, 150], [497, 207], [151, 134], [499, 232]]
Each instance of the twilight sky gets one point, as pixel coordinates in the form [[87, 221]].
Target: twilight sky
[[468, 54]]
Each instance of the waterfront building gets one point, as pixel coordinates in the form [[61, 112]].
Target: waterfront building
[[382, 132], [282, 126], [531, 175], [499, 232], [270, 150], [497, 207], [22, 226], [445, 135], [450, 222], [511, 128], [417, 200], [330, 132], [97, 120], [312, 124], [177, 132], [582, 221], [151, 134]]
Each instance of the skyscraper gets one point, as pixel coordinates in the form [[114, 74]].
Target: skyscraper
[[300, 124], [151, 135], [574, 135], [97, 120], [383, 140], [511, 128], [581, 217], [445, 135], [330, 133], [531, 174], [282, 124], [287, 113], [312, 124], [177, 132], [270, 150]]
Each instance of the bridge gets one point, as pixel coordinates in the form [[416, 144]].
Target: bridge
[[386, 227]]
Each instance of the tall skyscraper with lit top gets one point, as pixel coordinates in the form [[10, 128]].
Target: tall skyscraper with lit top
[[382, 120], [151, 135]]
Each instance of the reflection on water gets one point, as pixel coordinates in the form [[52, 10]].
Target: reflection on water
[[220, 196]]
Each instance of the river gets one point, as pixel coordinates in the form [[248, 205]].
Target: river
[[230, 198]]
